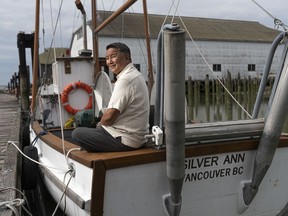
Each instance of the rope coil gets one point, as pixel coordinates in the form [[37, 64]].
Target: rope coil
[[12, 205]]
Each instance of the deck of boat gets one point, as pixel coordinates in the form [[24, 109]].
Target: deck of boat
[[9, 131], [145, 155]]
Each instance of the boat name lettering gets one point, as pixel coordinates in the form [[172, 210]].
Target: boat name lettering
[[234, 158], [197, 168], [194, 163], [211, 174]]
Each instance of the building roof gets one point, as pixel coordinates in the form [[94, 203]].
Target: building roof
[[131, 25], [48, 55]]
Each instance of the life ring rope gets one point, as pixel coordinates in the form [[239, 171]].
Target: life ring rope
[[67, 90]]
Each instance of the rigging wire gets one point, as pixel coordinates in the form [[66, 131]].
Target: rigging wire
[[43, 73], [43, 25], [176, 9], [54, 28], [60, 25], [277, 22], [76, 16], [58, 93], [103, 5], [206, 62], [141, 45], [111, 5], [166, 17], [52, 22], [215, 75], [53, 35]]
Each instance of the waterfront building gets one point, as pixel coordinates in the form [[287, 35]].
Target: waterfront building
[[227, 45]]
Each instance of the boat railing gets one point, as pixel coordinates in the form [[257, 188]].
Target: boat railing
[[220, 131], [266, 72], [274, 122], [241, 129]]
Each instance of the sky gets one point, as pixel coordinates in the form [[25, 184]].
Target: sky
[[17, 16]]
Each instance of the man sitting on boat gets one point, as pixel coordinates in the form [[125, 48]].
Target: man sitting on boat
[[126, 119]]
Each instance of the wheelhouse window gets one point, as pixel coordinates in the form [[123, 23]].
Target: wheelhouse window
[[251, 67], [216, 67]]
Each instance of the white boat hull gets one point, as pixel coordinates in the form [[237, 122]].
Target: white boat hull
[[212, 185]]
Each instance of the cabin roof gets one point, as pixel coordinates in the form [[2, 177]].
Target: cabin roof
[[131, 25], [48, 55]]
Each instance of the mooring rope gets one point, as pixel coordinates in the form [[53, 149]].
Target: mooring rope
[[41, 164], [64, 191], [12, 204], [24, 197], [67, 155]]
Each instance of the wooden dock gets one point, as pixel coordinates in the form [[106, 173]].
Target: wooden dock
[[9, 159]]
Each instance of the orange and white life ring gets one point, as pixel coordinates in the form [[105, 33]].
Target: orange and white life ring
[[68, 89]]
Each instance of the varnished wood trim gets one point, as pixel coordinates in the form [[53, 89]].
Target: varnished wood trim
[[56, 143], [113, 160], [137, 157], [98, 188], [221, 147]]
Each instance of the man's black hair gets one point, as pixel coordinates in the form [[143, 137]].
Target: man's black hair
[[123, 48]]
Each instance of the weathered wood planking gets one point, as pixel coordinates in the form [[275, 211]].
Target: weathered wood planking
[[9, 131]]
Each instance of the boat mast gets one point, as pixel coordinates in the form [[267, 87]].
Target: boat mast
[[95, 40], [124, 7], [35, 57], [148, 47]]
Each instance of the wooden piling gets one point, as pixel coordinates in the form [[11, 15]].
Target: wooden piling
[[207, 99], [245, 104], [24, 41], [228, 97], [218, 102], [23, 72], [213, 92], [196, 96], [190, 98], [218, 99], [239, 110]]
